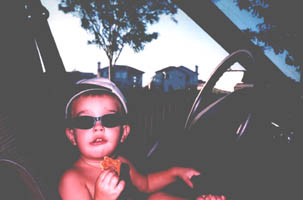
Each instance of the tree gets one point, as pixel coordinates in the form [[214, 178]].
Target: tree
[[280, 30], [116, 23]]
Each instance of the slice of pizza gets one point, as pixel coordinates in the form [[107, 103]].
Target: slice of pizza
[[109, 163]]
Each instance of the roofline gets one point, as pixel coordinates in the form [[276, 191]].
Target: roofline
[[184, 69], [166, 68], [126, 66]]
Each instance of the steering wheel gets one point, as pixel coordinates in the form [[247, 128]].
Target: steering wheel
[[245, 57]]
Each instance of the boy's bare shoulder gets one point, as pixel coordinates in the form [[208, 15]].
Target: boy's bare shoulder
[[72, 182], [71, 178], [71, 175]]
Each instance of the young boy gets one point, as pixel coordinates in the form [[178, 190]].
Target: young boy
[[96, 125]]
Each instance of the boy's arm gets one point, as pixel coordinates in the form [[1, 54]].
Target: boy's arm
[[156, 181], [72, 188], [159, 180]]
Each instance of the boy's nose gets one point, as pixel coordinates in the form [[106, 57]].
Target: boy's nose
[[98, 126]]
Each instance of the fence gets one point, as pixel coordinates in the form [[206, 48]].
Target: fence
[[154, 115]]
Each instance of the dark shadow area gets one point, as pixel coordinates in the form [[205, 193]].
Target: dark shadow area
[[12, 186], [255, 165], [17, 183]]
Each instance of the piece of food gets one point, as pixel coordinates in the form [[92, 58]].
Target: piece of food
[[109, 163]]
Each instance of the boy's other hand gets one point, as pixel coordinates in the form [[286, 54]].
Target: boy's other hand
[[211, 197], [108, 186], [186, 174]]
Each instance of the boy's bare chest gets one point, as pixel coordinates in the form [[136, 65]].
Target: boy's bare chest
[[90, 179]]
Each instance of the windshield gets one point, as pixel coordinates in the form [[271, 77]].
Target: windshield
[[179, 44], [244, 20]]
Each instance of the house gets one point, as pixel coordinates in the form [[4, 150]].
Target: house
[[191, 76], [175, 78], [123, 76]]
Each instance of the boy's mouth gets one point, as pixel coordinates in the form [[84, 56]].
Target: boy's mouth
[[98, 141]]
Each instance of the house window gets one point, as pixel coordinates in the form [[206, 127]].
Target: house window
[[156, 79], [118, 75], [124, 75], [134, 79]]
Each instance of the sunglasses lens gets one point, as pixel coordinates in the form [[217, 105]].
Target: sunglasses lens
[[83, 122], [87, 122], [112, 120]]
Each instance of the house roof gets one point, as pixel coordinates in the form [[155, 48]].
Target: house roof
[[186, 70], [170, 68], [125, 67], [181, 68]]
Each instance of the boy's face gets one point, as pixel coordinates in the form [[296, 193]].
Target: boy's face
[[98, 141]]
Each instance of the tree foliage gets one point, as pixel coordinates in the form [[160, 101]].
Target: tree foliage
[[116, 23], [281, 27]]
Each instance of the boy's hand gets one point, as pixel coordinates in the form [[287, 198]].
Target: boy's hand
[[186, 174], [108, 185]]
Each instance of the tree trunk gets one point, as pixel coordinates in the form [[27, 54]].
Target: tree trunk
[[110, 74]]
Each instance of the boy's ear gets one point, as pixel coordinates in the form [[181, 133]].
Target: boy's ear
[[126, 131], [69, 132]]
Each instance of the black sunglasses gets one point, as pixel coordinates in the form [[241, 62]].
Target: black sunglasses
[[87, 122]]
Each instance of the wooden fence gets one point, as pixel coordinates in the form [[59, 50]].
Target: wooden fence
[[154, 115]]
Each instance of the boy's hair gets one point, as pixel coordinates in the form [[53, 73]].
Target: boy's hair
[[95, 84]]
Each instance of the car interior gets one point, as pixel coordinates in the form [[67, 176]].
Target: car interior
[[247, 143]]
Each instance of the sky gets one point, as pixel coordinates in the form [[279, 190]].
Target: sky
[[182, 43]]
